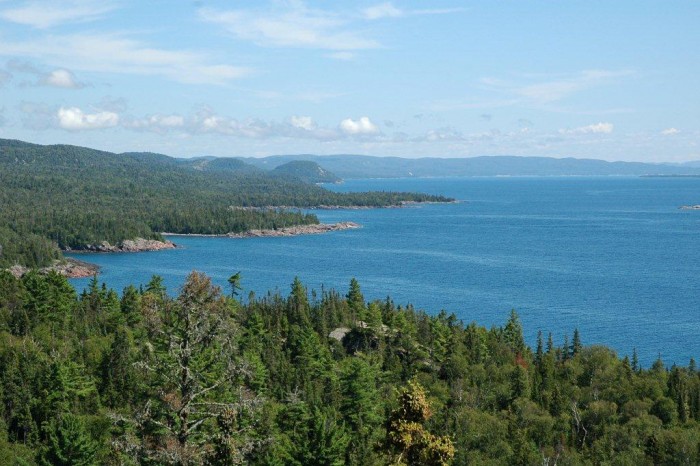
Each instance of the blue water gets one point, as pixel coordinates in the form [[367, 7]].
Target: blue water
[[614, 257]]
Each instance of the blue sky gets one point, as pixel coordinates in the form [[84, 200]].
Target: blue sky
[[609, 80]]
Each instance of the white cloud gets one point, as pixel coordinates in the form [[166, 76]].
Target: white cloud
[[62, 78], [114, 53], [363, 126], [57, 78], [382, 10], [295, 26], [74, 119], [597, 128], [303, 122], [388, 10], [670, 131], [443, 134], [206, 121], [46, 14], [157, 123]]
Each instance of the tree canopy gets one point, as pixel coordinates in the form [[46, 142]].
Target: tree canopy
[[198, 376]]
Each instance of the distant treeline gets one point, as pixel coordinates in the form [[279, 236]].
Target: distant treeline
[[55, 197], [308, 378]]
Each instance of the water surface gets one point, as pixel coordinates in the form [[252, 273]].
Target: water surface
[[614, 257]]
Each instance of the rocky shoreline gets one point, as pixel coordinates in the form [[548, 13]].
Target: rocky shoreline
[[286, 231], [68, 267], [74, 268], [400, 205], [128, 245]]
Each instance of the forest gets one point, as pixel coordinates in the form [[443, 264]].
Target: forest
[[53, 198], [209, 376]]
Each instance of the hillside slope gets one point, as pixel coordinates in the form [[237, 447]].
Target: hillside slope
[[307, 171], [59, 197]]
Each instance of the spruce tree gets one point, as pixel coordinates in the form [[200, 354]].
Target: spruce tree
[[576, 345], [68, 443]]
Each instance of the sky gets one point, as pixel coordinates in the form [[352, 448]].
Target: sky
[[612, 80]]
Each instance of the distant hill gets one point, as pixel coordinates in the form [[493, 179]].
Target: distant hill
[[69, 197], [224, 164], [362, 166], [306, 170]]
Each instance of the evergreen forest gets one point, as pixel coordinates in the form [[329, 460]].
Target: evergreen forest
[[54, 198], [201, 376]]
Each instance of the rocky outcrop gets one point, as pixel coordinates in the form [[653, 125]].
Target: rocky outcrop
[[296, 230], [129, 245], [690, 207], [286, 231], [69, 267]]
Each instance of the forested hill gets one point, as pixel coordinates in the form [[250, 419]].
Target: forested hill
[[306, 170], [58, 197], [315, 379]]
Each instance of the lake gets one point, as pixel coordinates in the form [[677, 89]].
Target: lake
[[614, 257]]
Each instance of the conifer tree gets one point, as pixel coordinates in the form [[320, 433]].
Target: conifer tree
[[193, 364], [68, 443], [356, 300], [635, 360], [412, 443], [298, 305], [513, 333], [576, 345]]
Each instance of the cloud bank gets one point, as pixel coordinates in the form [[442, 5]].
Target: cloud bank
[[74, 119]]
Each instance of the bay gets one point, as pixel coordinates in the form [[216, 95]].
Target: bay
[[614, 257]]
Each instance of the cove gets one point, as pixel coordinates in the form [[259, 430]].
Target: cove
[[614, 257]]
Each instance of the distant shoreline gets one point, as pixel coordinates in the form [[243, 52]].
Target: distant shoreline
[[401, 205], [279, 232], [74, 268]]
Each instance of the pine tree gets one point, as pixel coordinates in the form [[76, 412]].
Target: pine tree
[[635, 361], [192, 365], [235, 282], [513, 333], [520, 382], [356, 300], [117, 372], [298, 311], [550, 343], [361, 407], [576, 345], [69, 443], [539, 352]]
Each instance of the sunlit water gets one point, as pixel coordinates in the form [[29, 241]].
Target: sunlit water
[[614, 257]]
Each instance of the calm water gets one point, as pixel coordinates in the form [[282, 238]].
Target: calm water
[[614, 257]]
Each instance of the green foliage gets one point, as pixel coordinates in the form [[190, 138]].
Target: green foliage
[[68, 443], [204, 378], [307, 171], [67, 197], [407, 435]]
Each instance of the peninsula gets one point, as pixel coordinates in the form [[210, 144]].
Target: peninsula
[[96, 201]]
